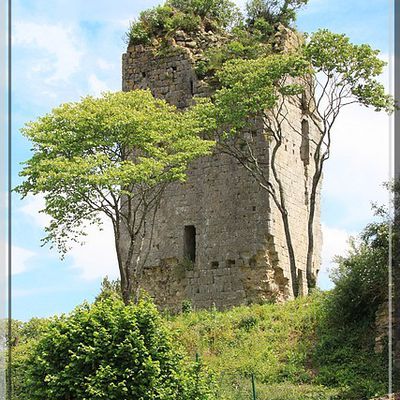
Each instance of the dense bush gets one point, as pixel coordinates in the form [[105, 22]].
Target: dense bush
[[189, 16], [223, 12], [154, 22], [273, 11], [111, 351], [243, 44], [24, 337], [215, 15]]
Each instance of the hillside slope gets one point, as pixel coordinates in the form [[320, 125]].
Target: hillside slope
[[295, 351]]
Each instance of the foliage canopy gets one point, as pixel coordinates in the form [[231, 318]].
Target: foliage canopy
[[223, 12], [109, 157], [273, 11], [111, 351], [88, 155]]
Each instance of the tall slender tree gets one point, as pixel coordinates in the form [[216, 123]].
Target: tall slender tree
[[329, 73]]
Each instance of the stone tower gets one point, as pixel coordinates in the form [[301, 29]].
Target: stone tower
[[218, 239]]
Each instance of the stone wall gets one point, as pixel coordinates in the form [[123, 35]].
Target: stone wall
[[240, 251]]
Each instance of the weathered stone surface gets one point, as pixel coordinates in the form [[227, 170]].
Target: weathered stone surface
[[240, 248]]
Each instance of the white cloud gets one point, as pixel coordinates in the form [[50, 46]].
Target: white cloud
[[95, 259], [335, 242], [97, 86], [31, 207], [359, 165], [20, 258], [58, 55], [360, 161], [104, 64]]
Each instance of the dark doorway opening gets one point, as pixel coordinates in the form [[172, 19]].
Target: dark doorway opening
[[189, 244]]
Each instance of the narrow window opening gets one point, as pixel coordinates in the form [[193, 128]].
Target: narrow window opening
[[143, 74], [174, 68], [305, 142], [192, 87], [189, 245]]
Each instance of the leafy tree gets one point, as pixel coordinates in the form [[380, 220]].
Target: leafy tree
[[344, 74], [111, 156], [329, 73], [24, 336], [111, 351], [345, 351], [273, 11]]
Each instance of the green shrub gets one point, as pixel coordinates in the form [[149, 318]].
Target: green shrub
[[111, 351], [186, 15], [158, 20], [361, 278], [242, 46], [247, 323], [273, 11], [344, 353], [187, 307], [25, 337], [109, 289], [185, 22], [262, 29], [138, 34], [223, 12]]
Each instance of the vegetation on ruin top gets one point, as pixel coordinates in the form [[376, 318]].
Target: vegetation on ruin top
[[246, 36]]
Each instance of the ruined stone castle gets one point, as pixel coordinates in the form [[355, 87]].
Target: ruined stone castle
[[218, 238]]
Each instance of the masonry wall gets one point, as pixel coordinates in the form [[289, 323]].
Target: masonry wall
[[240, 251], [295, 168]]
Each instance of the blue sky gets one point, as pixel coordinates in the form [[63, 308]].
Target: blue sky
[[63, 50]]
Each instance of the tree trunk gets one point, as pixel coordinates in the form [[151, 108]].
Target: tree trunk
[[311, 278], [292, 258], [281, 204], [124, 269]]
